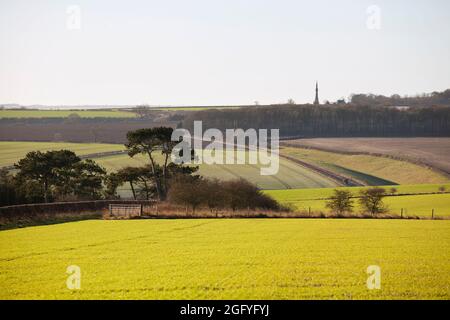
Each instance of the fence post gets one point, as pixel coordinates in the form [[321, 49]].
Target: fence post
[[401, 213], [432, 214], [309, 210], [140, 211]]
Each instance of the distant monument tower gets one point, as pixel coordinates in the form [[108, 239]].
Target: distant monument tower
[[316, 101]]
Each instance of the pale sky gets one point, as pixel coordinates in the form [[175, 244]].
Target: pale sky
[[210, 52]]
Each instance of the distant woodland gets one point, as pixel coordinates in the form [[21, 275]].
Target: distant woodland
[[365, 115], [345, 120], [423, 100]]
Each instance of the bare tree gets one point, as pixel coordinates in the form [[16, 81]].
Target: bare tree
[[187, 191], [142, 110], [341, 202], [215, 197], [372, 200]]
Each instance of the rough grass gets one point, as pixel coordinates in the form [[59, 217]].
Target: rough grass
[[65, 113], [416, 200], [13, 151], [228, 259], [399, 172]]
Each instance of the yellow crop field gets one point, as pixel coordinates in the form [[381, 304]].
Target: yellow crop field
[[227, 259]]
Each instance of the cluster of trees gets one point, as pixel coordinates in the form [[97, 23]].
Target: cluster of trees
[[370, 200], [142, 182], [330, 121], [151, 142], [424, 100], [52, 176], [194, 192]]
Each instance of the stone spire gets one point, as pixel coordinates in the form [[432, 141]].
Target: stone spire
[[316, 101]]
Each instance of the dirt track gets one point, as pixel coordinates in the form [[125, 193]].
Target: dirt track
[[342, 180]]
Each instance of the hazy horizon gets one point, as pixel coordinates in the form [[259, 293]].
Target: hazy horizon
[[199, 53]]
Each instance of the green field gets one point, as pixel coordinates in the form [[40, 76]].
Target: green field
[[420, 204], [12, 151], [290, 175], [371, 170], [64, 113], [228, 259]]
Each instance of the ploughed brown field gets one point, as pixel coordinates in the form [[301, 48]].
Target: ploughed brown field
[[434, 152], [89, 130]]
